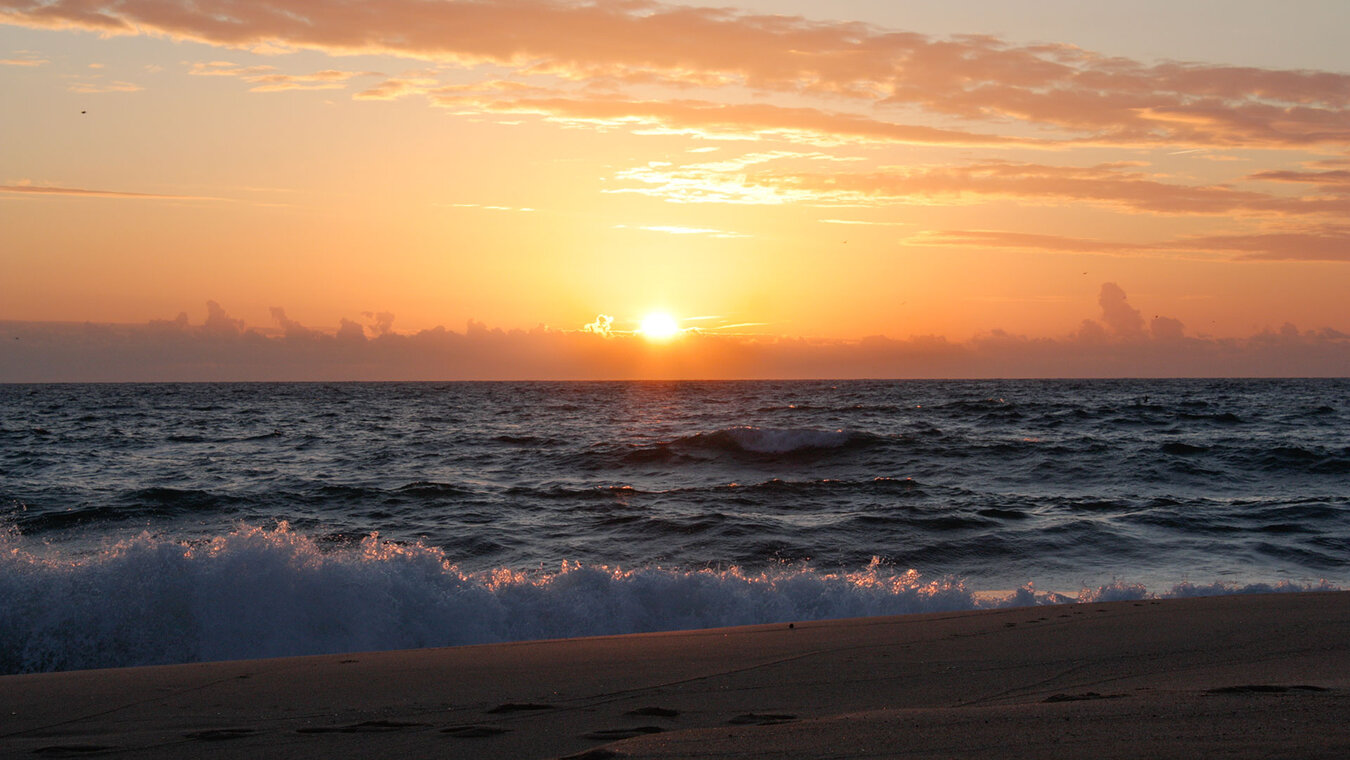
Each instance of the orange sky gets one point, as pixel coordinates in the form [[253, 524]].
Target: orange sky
[[884, 169]]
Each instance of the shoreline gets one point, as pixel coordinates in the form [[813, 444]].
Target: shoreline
[[1245, 676]]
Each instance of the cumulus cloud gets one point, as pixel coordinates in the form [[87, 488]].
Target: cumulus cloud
[[603, 325], [1123, 319], [1167, 328], [350, 332], [219, 323], [290, 327], [381, 322]]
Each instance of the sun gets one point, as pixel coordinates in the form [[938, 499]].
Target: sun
[[659, 326]]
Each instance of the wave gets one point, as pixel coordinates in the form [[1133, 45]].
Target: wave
[[736, 442], [760, 440], [266, 593]]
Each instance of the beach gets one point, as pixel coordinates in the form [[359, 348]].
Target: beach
[[1237, 676]]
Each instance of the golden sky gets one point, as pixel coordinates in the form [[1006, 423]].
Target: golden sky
[[768, 173]]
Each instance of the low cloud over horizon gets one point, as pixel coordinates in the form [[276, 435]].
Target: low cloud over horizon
[[1118, 342]]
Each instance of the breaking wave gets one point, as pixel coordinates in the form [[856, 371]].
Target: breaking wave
[[255, 592]]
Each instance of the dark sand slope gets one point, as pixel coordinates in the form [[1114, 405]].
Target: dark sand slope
[[1250, 676]]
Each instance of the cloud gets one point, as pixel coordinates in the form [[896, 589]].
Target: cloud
[[731, 180], [25, 189], [1334, 181], [1123, 319], [1322, 243], [382, 322], [1326, 242], [488, 207], [268, 79], [1117, 186], [23, 61], [328, 79], [224, 348], [290, 327], [94, 88], [711, 120], [603, 325], [220, 324], [392, 89], [1167, 328], [677, 230], [863, 222], [1077, 94], [1019, 240], [227, 69]]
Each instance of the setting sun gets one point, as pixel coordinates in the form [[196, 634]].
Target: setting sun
[[659, 326]]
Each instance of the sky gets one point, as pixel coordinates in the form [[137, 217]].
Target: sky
[[403, 189]]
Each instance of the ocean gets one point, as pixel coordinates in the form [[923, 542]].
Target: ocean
[[164, 523]]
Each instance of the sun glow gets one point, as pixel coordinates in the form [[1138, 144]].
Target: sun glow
[[659, 326]]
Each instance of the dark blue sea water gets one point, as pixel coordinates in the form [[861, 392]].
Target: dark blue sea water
[[180, 522]]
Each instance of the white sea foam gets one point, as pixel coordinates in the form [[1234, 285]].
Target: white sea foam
[[265, 593]]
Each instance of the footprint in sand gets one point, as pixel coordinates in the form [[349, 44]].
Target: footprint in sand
[[475, 731], [220, 734], [367, 727], [599, 753], [1264, 688], [1080, 697], [761, 719], [510, 707], [614, 734], [654, 712]]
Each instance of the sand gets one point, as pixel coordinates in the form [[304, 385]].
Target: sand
[[1235, 676]]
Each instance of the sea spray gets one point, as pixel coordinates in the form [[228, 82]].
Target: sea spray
[[256, 592]]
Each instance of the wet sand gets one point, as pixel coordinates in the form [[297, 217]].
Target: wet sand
[[1236, 676]]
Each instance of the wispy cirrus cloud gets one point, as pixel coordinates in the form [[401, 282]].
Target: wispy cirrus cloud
[[863, 222], [485, 207], [227, 69], [672, 229], [1120, 186], [42, 190], [94, 87], [1330, 181], [1329, 242], [1324, 243], [268, 79], [328, 79], [731, 121], [392, 89]]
